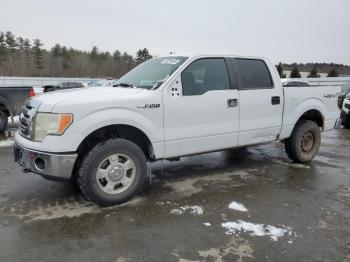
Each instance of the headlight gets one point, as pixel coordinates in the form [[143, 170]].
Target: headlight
[[347, 96], [50, 124]]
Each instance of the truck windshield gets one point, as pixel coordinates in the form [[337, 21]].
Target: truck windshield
[[151, 73]]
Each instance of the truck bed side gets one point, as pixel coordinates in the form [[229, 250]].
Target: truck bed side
[[299, 100]]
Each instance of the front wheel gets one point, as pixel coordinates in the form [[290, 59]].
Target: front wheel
[[304, 142], [112, 172]]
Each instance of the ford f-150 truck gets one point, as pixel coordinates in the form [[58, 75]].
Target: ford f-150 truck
[[166, 108]]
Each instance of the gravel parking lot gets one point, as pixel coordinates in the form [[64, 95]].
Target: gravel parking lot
[[242, 205]]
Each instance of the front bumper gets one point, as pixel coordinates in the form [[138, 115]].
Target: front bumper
[[49, 165]]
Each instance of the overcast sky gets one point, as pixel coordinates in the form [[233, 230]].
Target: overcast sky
[[283, 30]]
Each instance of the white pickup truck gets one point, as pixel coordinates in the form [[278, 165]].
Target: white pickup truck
[[165, 108]]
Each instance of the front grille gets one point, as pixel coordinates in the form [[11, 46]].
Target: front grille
[[347, 106], [26, 117]]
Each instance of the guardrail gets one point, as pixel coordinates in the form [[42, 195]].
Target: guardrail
[[38, 82]]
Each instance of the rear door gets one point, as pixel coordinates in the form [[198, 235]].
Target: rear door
[[201, 112], [261, 101]]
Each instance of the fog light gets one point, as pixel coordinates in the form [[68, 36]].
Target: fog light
[[40, 164]]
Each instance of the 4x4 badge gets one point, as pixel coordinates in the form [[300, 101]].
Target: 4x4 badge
[[149, 106]]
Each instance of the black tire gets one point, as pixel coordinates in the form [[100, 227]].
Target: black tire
[[297, 147], [87, 180], [3, 121], [345, 120]]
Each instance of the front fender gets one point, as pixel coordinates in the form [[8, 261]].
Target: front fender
[[152, 127]]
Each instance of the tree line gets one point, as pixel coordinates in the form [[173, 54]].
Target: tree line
[[314, 69], [24, 57]]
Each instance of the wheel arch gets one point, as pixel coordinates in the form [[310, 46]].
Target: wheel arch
[[125, 131], [313, 115]]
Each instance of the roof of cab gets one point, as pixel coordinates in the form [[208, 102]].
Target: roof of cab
[[195, 55]]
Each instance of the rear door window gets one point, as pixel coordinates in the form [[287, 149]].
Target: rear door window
[[252, 74]]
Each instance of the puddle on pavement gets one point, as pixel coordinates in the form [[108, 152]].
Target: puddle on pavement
[[191, 186], [35, 210], [237, 249]]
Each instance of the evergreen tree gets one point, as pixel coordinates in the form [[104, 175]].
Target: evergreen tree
[[3, 49], [38, 54], [295, 73], [127, 59], [313, 73], [66, 57], [142, 55], [56, 51], [27, 48], [280, 70], [333, 73], [117, 56], [94, 54], [20, 43], [10, 41], [11, 45]]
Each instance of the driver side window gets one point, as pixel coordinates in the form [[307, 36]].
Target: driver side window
[[205, 75]]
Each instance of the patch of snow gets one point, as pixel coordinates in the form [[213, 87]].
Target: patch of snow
[[255, 229], [237, 206], [15, 119], [6, 143], [176, 211], [207, 224], [194, 210]]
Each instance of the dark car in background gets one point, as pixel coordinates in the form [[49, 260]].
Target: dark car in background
[[345, 89], [11, 101], [62, 86], [344, 105], [295, 83]]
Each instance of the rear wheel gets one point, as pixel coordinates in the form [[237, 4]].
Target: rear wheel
[[112, 172], [3, 121], [304, 142]]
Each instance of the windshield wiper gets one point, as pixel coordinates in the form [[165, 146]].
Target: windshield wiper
[[123, 85]]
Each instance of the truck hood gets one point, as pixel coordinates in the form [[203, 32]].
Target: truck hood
[[85, 95]]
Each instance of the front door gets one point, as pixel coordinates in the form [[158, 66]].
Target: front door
[[201, 110]]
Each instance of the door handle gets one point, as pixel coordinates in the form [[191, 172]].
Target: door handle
[[275, 100], [233, 102]]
